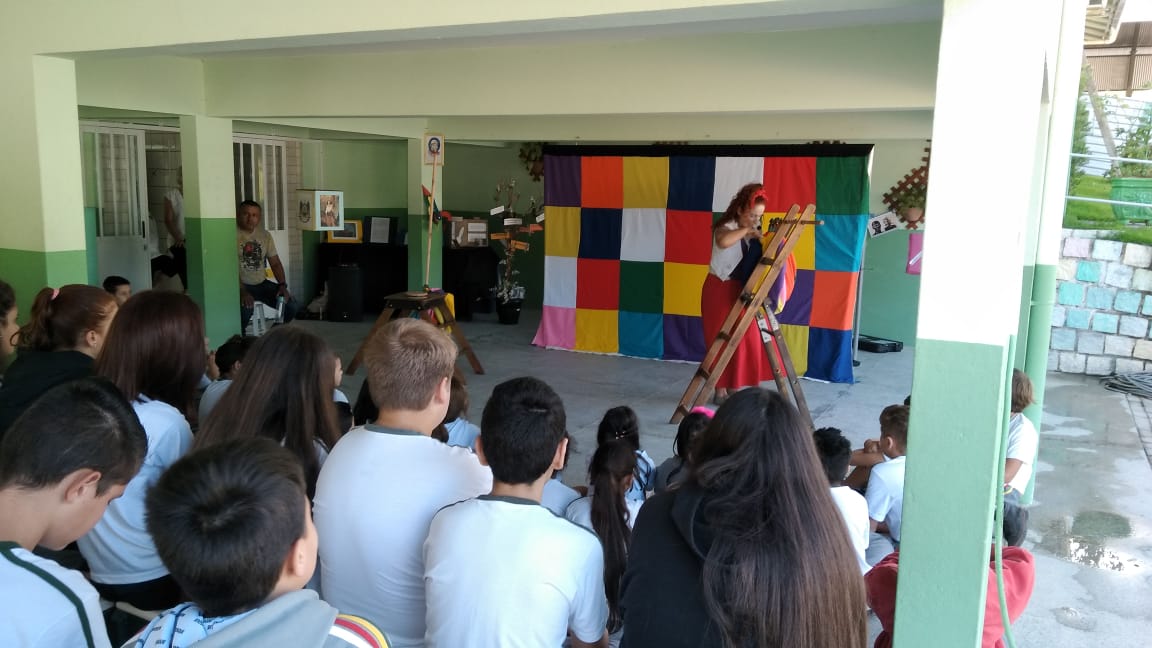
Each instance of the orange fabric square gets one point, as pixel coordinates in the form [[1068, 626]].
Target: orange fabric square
[[602, 182], [688, 237], [833, 300], [598, 284], [789, 181]]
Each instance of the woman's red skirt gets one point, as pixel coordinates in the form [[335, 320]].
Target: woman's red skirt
[[749, 364]]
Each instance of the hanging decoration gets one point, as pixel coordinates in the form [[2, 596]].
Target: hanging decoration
[[532, 155], [907, 197]]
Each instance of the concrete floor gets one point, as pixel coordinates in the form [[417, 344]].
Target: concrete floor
[[1091, 524]]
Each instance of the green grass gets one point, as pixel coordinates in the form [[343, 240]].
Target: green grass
[[1097, 216]]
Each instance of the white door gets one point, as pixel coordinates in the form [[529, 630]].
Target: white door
[[260, 172], [115, 187]]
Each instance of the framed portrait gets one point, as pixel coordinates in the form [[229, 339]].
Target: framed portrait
[[352, 232], [320, 210], [882, 224], [434, 148]]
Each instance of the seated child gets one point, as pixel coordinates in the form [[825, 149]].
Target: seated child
[[343, 407], [460, 432], [499, 569], [558, 495], [1022, 439], [118, 287], [229, 358], [834, 451], [620, 424], [674, 469], [879, 474], [234, 527], [70, 453], [1019, 578]]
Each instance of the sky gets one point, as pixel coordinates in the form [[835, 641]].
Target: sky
[[1137, 11]]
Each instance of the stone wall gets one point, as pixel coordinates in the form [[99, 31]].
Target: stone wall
[[1104, 301]]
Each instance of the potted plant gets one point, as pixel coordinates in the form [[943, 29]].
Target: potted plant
[[509, 293], [1132, 181], [910, 204]]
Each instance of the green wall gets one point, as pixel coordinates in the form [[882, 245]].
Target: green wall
[[371, 174]]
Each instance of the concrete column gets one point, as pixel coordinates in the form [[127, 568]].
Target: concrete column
[[985, 122], [210, 218], [1065, 92], [43, 241], [420, 175]]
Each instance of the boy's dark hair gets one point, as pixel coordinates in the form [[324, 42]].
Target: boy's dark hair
[[522, 425], [619, 424], [84, 423], [908, 400], [112, 282], [1022, 395], [233, 351], [834, 451], [894, 423], [224, 519]]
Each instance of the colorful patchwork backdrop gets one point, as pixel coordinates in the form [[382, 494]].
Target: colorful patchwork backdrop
[[628, 243]]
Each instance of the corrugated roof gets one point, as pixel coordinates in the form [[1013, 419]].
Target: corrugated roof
[[1102, 22]]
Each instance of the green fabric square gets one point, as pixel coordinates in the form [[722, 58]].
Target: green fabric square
[[842, 186], [641, 287]]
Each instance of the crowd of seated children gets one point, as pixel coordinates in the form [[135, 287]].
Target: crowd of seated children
[[835, 451], [55, 483], [155, 355], [499, 569]]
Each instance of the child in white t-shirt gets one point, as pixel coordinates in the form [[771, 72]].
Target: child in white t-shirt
[[501, 570], [885, 494], [55, 483], [620, 424], [835, 451], [1023, 441]]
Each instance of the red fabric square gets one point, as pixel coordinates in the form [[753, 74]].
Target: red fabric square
[[789, 181], [598, 284], [688, 237], [834, 300], [602, 182]]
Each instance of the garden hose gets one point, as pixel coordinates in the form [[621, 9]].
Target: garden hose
[[1136, 383]]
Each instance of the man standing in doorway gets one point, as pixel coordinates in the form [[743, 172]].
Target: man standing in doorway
[[255, 247]]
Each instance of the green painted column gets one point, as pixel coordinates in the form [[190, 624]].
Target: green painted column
[[964, 342], [420, 174], [210, 219], [1065, 92], [43, 242]]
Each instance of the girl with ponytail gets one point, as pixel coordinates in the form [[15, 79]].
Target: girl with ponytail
[[609, 514], [64, 334]]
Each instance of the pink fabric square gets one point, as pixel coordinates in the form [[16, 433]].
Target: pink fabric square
[[557, 328]]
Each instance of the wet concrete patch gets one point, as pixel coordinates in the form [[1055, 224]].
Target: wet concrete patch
[[1087, 539]]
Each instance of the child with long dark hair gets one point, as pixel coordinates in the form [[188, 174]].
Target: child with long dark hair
[[8, 326], [750, 550], [64, 334], [674, 469], [621, 425], [155, 355], [610, 515], [284, 393]]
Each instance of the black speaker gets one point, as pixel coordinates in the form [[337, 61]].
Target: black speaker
[[345, 294]]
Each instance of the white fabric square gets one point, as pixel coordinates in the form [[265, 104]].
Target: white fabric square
[[560, 281], [731, 174], [642, 235]]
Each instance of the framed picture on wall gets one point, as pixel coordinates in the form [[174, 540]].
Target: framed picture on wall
[[351, 233], [434, 149], [320, 210]]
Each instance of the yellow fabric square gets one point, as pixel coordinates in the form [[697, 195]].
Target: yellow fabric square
[[682, 285], [562, 231], [646, 182], [805, 250], [796, 337], [597, 330]]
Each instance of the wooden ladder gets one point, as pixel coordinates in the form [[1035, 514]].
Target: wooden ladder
[[748, 308]]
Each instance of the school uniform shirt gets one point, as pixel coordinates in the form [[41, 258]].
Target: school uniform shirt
[[580, 512], [505, 572], [558, 495], [118, 549], [462, 434], [885, 494], [211, 396], [645, 477], [854, 510], [46, 605], [375, 498], [1022, 444]]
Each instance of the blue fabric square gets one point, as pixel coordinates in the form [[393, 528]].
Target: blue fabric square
[[798, 309], [690, 181], [840, 242], [641, 334], [683, 338], [830, 355], [600, 232]]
